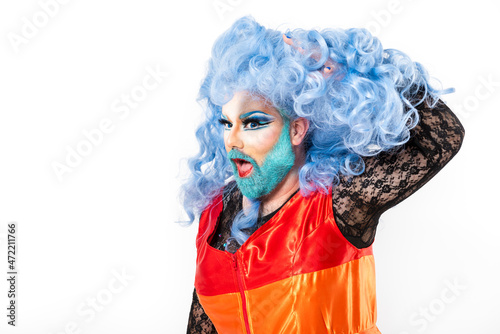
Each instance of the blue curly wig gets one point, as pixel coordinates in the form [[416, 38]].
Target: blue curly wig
[[366, 108]]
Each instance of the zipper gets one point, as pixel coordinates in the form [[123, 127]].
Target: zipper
[[242, 292]]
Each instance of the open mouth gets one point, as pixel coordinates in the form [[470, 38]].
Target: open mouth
[[244, 167]]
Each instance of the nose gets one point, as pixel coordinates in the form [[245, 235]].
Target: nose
[[233, 138]]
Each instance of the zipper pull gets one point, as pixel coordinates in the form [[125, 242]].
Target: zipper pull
[[235, 261]]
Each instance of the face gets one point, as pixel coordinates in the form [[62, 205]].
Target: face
[[257, 141]]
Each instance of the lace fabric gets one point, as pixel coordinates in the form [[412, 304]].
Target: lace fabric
[[388, 179], [359, 201]]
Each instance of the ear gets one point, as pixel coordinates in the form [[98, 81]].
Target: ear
[[298, 130]]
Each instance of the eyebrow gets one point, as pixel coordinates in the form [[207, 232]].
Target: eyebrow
[[245, 115]]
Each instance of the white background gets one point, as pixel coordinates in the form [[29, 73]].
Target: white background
[[115, 211]]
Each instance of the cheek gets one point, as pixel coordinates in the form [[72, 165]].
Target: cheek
[[261, 143], [225, 142], [264, 140]]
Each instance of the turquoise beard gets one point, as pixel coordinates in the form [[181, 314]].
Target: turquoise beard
[[276, 166]]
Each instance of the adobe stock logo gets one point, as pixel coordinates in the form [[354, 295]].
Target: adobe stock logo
[[221, 7], [422, 318], [88, 309], [486, 89], [383, 18], [122, 106], [30, 28]]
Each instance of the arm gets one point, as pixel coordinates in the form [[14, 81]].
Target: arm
[[199, 323], [389, 178]]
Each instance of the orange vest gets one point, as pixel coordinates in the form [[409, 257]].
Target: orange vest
[[296, 274]]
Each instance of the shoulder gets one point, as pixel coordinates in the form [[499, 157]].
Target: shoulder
[[228, 197], [208, 217]]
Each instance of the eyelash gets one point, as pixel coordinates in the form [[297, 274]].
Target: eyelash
[[260, 123]]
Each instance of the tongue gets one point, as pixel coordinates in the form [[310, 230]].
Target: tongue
[[244, 167]]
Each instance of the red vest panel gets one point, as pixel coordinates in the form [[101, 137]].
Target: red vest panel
[[296, 274]]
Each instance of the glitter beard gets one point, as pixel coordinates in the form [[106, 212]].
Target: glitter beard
[[275, 167]]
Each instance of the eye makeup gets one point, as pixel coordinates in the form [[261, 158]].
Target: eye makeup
[[252, 120], [256, 122], [227, 125]]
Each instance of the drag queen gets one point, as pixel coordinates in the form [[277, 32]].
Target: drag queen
[[309, 137]]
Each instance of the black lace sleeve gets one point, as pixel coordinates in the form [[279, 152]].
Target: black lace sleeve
[[199, 322], [389, 178]]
